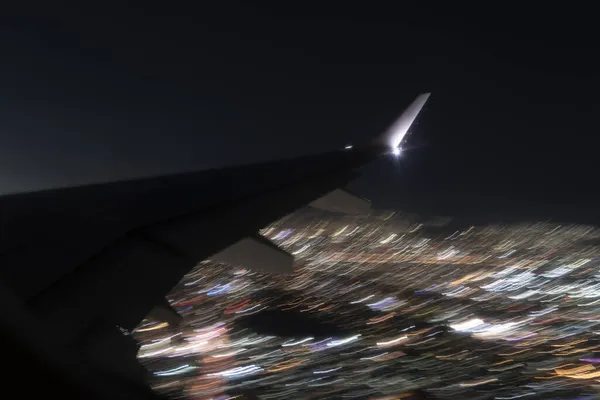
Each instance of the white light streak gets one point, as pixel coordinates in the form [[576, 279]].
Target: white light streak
[[515, 396], [374, 357], [523, 295], [380, 302], [327, 371], [391, 342], [231, 353], [340, 342], [468, 325], [301, 250], [287, 344], [238, 371], [153, 328], [155, 353], [388, 239], [176, 371], [340, 231]]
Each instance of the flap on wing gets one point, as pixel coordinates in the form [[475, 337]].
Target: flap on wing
[[342, 201], [165, 313], [256, 253]]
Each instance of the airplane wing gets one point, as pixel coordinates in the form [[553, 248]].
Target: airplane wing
[[82, 266]]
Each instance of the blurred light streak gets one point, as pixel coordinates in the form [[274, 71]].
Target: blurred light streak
[[327, 371], [516, 396], [238, 371], [392, 342], [468, 325], [153, 328], [341, 342], [154, 353], [478, 383], [287, 344], [176, 371]]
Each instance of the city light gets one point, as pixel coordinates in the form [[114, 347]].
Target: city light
[[379, 305]]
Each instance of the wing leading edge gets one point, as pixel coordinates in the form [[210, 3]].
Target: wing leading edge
[[83, 261]]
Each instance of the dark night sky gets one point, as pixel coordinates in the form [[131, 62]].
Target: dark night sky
[[511, 130]]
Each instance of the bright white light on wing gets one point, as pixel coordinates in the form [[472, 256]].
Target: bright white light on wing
[[399, 129]]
